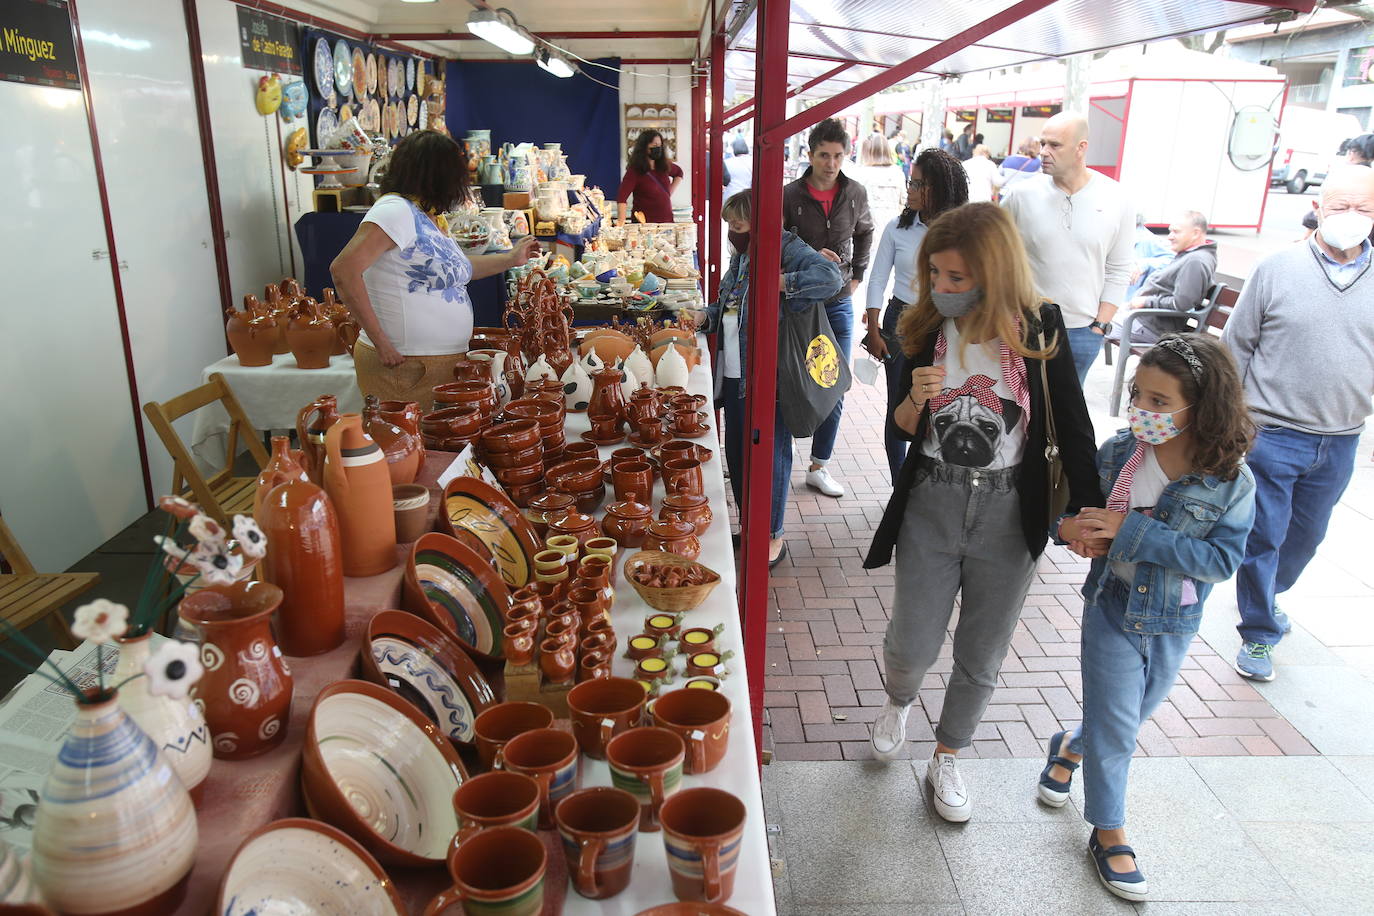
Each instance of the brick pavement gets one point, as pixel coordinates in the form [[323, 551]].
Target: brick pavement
[[827, 616]]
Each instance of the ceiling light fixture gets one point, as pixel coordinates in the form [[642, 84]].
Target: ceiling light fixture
[[499, 28], [554, 63]]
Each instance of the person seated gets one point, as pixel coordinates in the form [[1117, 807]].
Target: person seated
[[1179, 285], [1150, 255]]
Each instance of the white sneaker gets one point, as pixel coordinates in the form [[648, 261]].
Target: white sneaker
[[951, 798], [889, 730], [821, 480]]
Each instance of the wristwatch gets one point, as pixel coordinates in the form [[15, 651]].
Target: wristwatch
[[1104, 326]]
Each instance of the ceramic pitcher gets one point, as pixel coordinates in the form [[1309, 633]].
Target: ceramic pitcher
[[176, 726], [359, 486], [304, 559], [312, 423], [399, 441], [285, 464]]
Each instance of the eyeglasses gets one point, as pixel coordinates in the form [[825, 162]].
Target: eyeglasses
[[1067, 212], [917, 184]]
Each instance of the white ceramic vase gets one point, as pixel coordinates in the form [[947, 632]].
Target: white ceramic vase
[[176, 726], [577, 388], [642, 367], [672, 369]]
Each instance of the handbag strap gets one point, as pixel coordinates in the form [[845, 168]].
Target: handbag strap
[[1051, 434]]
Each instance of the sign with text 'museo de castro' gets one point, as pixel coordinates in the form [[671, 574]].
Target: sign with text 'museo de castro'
[[268, 43], [36, 44]]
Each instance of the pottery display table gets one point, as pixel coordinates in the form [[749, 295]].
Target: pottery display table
[[241, 796], [271, 396]]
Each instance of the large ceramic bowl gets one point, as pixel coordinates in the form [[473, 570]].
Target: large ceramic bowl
[[420, 662], [485, 519], [455, 588], [299, 866], [377, 769]]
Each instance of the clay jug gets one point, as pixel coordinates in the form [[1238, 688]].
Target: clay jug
[[608, 401], [321, 414], [343, 323], [406, 415], [304, 560], [467, 369], [402, 446], [359, 486], [280, 307], [285, 464], [252, 332], [495, 361], [311, 336]]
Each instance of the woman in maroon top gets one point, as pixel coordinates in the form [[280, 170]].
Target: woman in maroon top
[[651, 177]]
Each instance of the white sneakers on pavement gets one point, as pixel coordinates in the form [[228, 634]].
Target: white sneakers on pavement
[[889, 730], [820, 479], [951, 798]]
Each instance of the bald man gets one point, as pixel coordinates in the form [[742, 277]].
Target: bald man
[[1079, 230], [1302, 335]]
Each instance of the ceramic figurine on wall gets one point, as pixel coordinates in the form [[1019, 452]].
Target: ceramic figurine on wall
[[294, 99], [296, 141], [269, 94]]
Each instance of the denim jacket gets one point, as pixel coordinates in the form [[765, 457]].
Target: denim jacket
[[1197, 530], [810, 279]]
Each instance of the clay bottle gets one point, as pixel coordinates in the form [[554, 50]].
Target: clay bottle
[[285, 464], [359, 486], [304, 560], [310, 335]]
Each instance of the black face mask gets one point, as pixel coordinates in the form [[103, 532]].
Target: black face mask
[[655, 152]]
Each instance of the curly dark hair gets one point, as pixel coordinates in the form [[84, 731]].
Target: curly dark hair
[[1220, 421], [946, 186], [430, 167], [828, 131], [639, 155]]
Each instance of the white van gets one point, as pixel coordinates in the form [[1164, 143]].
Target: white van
[[1308, 139]]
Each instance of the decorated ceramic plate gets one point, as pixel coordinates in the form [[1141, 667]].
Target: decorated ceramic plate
[[359, 73], [482, 516], [410, 74], [326, 122], [371, 74], [412, 110], [423, 117], [324, 68], [343, 68], [394, 76], [374, 116], [421, 79], [405, 128], [455, 587]]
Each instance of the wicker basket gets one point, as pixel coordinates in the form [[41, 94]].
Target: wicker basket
[[673, 600]]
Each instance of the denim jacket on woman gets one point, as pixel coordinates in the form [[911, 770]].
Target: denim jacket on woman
[[1197, 530], [809, 279]]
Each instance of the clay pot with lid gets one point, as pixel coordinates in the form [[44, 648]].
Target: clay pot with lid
[[575, 524], [673, 536], [546, 507], [627, 521], [404, 450], [252, 332], [693, 508]]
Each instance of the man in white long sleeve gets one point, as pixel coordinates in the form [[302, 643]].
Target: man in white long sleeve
[[1079, 231]]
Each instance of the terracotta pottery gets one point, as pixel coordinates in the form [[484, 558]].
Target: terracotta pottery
[[463, 420], [682, 475], [498, 724], [280, 299], [607, 402], [687, 507], [688, 422], [470, 370], [673, 537], [478, 393], [633, 481], [245, 692], [347, 329], [176, 726], [648, 645], [550, 757], [519, 644], [662, 623], [511, 436], [627, 521], [283, 465], [682, 448], [545, 507], [115, 831], [305, 560], [498, 871], [598, 827], [359, 486], [404, 450], [495, 799], [311, 336], [252, 332], [557, 659], [706, 664], [312, 423], [702, 832], [701, 719], [700, 639], [410, 505], [602, 709], [647, 763], [574, 524]]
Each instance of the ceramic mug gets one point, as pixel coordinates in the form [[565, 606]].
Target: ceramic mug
[[603, 547], [549, 756], [682, 475], [703, 829], [498, 724], [701, 718], [633, 480], [598, 827], [498, 871], [647, 763], [495, 799], [601, 709]]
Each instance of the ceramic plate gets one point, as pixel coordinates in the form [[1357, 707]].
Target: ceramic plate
[[477, 511], [394, 76], [461, 596], [410, 74], [324, 68], [421, 79], [359, 73], [412, 110], [326, 122], [405, 128], [374, 115], [454, 586], [422, 120], [343, 68], [371, 73]]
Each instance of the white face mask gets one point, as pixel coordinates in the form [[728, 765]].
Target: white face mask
[[1346, 230]]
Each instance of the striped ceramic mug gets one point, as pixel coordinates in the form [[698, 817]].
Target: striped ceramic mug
[[598, 828], [496, 872], [702, 832], [647, 763]]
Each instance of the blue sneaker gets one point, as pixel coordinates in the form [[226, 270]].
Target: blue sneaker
[[1283, 620], [1051, 791], [1130, 885], [1255, 662]]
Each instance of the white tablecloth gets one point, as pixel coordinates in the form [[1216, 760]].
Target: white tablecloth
[[271, 396]]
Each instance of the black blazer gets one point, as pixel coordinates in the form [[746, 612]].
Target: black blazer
[[1077, 446]]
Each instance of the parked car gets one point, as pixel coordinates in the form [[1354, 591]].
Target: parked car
[[1308, 139]]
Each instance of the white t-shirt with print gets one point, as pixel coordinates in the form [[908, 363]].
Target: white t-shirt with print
[[974, 420], [419, 288]]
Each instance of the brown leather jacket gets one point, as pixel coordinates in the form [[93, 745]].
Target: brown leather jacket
[[847, 231]]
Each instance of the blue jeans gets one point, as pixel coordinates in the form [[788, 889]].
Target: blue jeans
[[1299, 478], [736, 419], [841, 316], [1125, 678], [894, 445], [1085, 344]]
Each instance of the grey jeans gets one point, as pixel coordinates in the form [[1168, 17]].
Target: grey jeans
[[961, 532]]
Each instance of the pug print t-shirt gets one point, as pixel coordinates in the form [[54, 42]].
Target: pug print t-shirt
[[975, 421]]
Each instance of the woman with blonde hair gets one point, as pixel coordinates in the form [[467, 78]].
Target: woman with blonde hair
[[880, 175], [970, 509]]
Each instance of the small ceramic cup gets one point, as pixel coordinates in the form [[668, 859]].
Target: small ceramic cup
[[550, 561], [598, 827], [646, 645], [702, 833], [661, 623], [565, 544], [495, 799], [602, 546], [498, 870], [410, 503], [701, 719], [549, 756], [654, 669], [682, 475], [498, 724], [602, 709], [708, 664]]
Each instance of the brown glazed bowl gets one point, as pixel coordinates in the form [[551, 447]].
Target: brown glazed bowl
[[579, 449], [545, 413], [462, 420], [576, 476], [526, 457], [511, 436], [520, 477]]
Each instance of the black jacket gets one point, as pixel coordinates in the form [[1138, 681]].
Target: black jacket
[[1077, 446], [847, 231]]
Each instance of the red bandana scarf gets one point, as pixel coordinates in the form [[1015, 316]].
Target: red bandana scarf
[[1013, 374]]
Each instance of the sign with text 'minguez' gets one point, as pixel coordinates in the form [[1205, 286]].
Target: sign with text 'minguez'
[[36, 44]]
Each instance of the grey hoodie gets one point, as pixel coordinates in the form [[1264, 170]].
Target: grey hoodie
[[1180, 285]]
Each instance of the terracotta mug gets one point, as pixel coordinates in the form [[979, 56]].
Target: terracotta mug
[[647, 763], [702, 832], [410, 503], [498, 724], [688, 422], [633, 480], [495, 799], [622, 455], [500, 870], [701, 718], [575, 450], [602, 709], [519, 642], [604, 547], [594, 665], [682, 475], [681, 448], [549, 756], [598, 827]]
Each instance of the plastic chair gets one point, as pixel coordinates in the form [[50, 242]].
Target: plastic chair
[[1199, 316], [27, 595]]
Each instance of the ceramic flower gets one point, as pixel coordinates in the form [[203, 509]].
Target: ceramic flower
[[181, 508], [206, 530], [100, 621], [216, 564], [250, 538], [173, 669]]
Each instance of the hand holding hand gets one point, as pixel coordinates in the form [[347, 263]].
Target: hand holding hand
[[1100, 523]]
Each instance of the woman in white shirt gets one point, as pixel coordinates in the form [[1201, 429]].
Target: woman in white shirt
[[982, 174], [937, 184], [405, 280], [881, 177]]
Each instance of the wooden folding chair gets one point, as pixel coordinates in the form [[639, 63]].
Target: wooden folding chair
[[27, 595], [221, 495]]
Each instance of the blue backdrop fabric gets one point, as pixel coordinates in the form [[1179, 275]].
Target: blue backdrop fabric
[[520, 101]]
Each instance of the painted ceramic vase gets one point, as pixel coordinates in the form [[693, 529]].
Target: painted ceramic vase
[[359, 486], [284, 464], [305, 560], [245, 692], [397, 432], [312, 423], [115, 831], [176, 726]]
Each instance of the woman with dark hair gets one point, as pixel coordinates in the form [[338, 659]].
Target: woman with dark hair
[[652, 178], [405, 280], [937, 184]]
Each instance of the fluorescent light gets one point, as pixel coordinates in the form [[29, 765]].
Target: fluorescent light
[[554, 63], [419, 1], [499, 28]]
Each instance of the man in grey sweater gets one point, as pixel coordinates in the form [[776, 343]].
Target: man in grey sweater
[[1179, 285], [1302, 335]]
